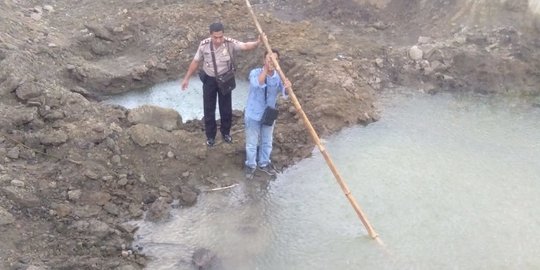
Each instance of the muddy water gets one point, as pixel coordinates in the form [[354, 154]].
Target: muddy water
[[448, 182], [188, 103]]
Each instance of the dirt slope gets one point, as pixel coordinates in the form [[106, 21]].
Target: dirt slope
[[74, 170]]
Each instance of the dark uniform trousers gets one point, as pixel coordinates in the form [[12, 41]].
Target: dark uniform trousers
[[210, 93]]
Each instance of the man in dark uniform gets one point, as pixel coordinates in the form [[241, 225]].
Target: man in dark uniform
[[223, 51]]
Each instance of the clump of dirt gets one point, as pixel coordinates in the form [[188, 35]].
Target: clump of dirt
[[74, 170]]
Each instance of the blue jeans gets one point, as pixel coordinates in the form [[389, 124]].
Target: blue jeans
[[258, 136]]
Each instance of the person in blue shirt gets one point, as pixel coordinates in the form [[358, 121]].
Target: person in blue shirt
[[259, 136]]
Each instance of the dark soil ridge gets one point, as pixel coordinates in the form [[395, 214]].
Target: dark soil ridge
[[74, 170]]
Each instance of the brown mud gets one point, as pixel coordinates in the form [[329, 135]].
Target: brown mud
[[73, 170]]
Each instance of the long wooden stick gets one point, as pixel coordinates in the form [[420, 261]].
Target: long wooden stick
[[313, 133]]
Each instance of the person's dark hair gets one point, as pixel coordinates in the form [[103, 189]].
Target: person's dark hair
[[274, 51], [216, 27]]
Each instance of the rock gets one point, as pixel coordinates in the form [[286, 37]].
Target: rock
[[9, 85], [62, 210], [188, 197], [83, 92], [112, 209], [203, 258], [28, 90], [93, 226], [100, 31], [17, 116], [415, 53], [164, 118], [116, 159], [21, 197], [379, 62], [97, 198], [74, 195], [48, 8], [128, 228], [144, 135], [6, 218], [17, 183], [55, 137], [149, 198], [139, 71], [53, 115], [424, 64], [13, 153], [35, 16], [122, 182], [424, 40], [159, 211], [87, 211]]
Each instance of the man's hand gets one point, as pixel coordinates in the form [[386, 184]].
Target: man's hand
[[262, 38], [287, 83], [185, 84]]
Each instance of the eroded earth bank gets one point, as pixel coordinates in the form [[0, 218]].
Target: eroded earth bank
[[73, 170]]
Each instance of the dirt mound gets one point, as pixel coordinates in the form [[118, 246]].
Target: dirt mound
[[74, 170]]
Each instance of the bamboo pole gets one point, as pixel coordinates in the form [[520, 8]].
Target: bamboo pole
[[313, 133]]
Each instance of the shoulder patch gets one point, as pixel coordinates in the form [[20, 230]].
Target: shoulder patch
[[205, 41], [232, 40]]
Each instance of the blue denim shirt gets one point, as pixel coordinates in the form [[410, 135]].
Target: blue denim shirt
[[255, 102]]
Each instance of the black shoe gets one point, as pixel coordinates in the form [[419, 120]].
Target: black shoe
[[227, 138], [269, 169], [210, 142], [249, 172]]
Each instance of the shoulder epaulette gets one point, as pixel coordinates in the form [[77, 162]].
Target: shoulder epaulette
[[205, 41], [232, 40]]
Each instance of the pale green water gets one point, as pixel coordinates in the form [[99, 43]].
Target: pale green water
[[447, 182], [188, 103]]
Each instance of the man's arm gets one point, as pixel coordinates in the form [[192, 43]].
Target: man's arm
[[262, 77], [246, 46], [192, 68]]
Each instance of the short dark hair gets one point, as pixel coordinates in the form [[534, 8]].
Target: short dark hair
[[273, 50], [216, 27]]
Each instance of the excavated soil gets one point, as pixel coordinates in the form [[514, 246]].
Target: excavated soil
[[74, 170]]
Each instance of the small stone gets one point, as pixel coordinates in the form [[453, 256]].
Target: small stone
[[13, 153], [74, 195], [6, 217], [142, 179], [35, 16], [415, 53], [38, 9], [379, 62], [116, 159], [17, 183], [424, 40], [170, 154], [48, 8], [122, 182]]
